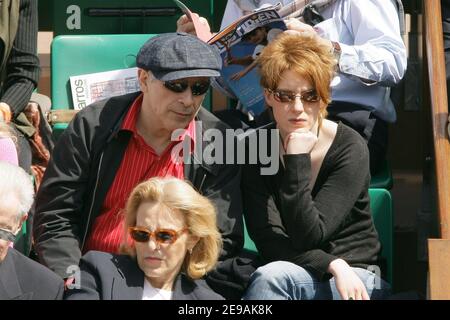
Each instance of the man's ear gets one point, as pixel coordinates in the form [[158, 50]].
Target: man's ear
[[143, 77]]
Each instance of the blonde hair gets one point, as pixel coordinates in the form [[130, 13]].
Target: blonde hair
[[200, 215], [304, 54]]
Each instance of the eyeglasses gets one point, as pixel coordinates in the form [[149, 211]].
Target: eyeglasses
[[7, 235], [197, 88], [161, 236], [287, 96]]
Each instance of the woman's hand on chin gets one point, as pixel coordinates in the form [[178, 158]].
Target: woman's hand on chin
[[300, 141]]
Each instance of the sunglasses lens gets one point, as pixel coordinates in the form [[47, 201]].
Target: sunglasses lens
[[176, 86], [281, 96], [311, 96], [200, 88], [197, 88], [140, 235], [165, 236]]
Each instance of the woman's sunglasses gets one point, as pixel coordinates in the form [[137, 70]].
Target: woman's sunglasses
[[161, 236], [287, 96], [197, 88]]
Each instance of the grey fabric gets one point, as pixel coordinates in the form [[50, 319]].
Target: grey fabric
[[24, 279]]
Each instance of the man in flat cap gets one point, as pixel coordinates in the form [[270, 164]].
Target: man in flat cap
[[113, 145]]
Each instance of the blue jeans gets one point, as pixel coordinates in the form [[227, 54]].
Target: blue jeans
[[283, 280]]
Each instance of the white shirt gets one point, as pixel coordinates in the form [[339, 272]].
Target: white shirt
[[152, 293], [373, 53], [233, 11]]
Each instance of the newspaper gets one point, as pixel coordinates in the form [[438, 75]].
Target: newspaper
[[240, 45], [88, 88]]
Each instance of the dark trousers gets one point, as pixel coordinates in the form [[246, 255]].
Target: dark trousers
[[371, 128]]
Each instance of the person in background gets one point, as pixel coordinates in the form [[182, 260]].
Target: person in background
[[19, 69], [20, 277], [238, 8], [311, 221], [170, 241]]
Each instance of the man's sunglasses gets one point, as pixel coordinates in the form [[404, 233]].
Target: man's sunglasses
[[161, 236], [288, 96], [197, 88]]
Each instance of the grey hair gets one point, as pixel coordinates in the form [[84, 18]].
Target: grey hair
[[14, 179]]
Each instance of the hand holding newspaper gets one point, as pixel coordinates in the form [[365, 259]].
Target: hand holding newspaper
[[240, 44]]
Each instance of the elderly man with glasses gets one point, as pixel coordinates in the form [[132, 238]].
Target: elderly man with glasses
[[113, 145], [20, 277]]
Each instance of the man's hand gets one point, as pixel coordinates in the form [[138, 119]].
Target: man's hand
[[348, 284], [300, 141], [295, 25], [186, 25], [69, 283], [5, 112]]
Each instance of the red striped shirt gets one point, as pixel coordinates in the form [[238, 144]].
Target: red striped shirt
[[139, 163]]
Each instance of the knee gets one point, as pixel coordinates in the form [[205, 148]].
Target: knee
[[279, 270]]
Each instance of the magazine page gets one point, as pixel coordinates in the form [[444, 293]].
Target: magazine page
[[202, 31], [239, 45], [88, 88]]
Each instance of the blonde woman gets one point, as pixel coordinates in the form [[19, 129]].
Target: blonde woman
[[170, 242]]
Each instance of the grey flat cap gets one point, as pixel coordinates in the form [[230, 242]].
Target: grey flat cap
[[172, 56]]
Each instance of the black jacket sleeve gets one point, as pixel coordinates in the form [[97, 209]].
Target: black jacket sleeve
[[22, 67], [60, 200], [89, 286]]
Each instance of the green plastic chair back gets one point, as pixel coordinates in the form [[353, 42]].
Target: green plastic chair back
[[381, 207], [73, 55]]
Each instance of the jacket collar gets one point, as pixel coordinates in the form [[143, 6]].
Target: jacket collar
[[133, 286]]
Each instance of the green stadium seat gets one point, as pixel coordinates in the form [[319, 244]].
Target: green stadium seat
[[381, 207], [81, 54], [249, 245], [383, 178]]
